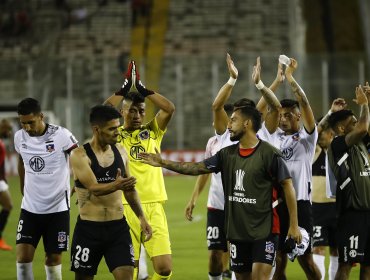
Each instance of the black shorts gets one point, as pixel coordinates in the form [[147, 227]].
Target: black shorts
[[216, 238], [304, 220], [93, 240], [354, 237], [244, 254], [324, 224], [53, 228]]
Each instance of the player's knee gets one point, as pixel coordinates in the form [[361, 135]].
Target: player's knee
[[53, 259]]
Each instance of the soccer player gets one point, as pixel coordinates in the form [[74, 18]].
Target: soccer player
[[216, 239], [101, 173], [137, 137], [297, 145], [43, 169], [250, 171], [348, 158], [5, 198], [323, 207]]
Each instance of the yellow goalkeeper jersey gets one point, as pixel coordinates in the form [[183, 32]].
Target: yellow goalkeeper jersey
[[149, 179]]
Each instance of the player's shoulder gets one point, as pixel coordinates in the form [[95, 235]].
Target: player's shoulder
[[78, 152]]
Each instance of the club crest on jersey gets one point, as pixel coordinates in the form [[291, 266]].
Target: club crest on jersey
[[50, 148], [295, 137], [143, 135]]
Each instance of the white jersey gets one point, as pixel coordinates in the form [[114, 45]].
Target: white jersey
[[298, 150], [216, 193], [47, 173]]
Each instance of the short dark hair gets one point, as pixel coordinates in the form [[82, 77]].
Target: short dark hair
[[289, 103], [28, 106], [135, 97], [339, 116], [229, 108], [101, 114], [251, 113], [244, 102]]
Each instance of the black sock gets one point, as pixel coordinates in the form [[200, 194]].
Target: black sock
[[4, 214]]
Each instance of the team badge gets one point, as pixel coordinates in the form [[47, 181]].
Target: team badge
[[270, 247], [143, 135], [62, 236], [50, 148]]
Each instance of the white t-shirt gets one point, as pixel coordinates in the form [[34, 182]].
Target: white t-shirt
[[216, 198], [47, 173], [298, 150]]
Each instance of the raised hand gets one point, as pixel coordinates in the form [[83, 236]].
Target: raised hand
[[233, 71], [256, 75], [280, 75], [291, 68], [366, 89], [338, 105], [138, 84], [361, 98], [127, 83]]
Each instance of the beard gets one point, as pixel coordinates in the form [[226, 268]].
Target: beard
[[236, 136]]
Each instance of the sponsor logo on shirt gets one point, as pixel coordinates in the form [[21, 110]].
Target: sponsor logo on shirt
[[366, 172], [135, 151], [37, 164], [238, 194]]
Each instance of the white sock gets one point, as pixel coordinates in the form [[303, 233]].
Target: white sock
[[53, 272], [24, 271], [143, 268], [333, 267], [320, 262], [233, 277], [219, 277]]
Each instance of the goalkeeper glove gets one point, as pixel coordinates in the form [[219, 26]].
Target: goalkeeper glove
[[127, 83]]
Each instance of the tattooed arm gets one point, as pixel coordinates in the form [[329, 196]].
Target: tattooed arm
[[304, 105], [270, 114], [187, 168]]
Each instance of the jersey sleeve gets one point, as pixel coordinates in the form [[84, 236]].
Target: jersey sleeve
[[17, 136], [280, 169], [208, 151], [153, 126], [69, 141], [310, 138], [339, 146], [213, 163]]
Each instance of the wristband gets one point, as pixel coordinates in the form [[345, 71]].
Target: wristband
[[260, 85], [231, 81], [330, 112]]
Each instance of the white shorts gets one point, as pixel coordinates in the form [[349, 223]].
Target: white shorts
[[3, 186]]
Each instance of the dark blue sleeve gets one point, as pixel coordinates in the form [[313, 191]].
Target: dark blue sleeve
[[213, 163]]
